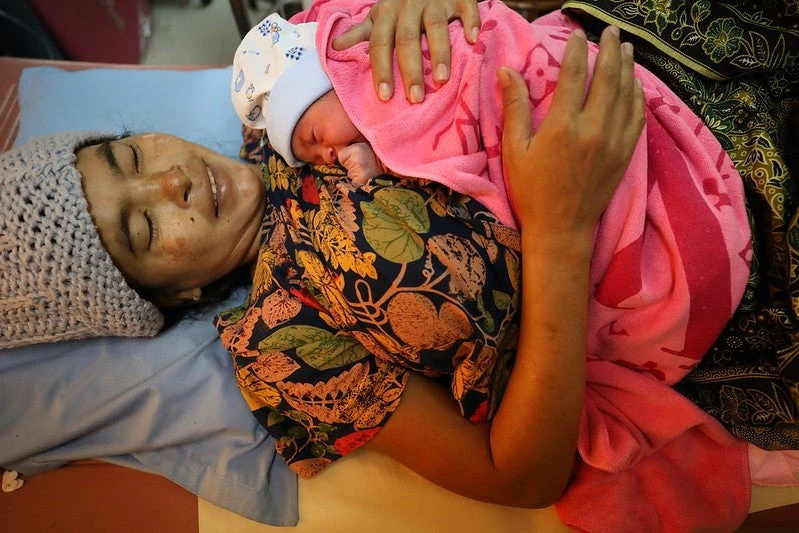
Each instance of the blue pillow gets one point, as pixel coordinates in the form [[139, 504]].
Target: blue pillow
[[170, 404], [194, 105]]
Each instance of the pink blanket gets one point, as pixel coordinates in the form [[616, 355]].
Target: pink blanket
[[670, 263]]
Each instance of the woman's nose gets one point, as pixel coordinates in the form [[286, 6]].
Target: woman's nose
[[171, 185]]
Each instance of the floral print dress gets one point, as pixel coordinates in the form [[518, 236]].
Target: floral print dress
[[353, 290]]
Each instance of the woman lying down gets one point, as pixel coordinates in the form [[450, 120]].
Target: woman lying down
[[366, 300]]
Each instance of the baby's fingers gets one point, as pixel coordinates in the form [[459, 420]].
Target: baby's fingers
[[345, 156]]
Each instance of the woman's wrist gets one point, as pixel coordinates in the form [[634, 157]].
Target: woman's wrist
[[561, 247]]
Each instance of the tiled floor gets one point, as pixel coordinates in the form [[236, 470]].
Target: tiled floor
[[185, 32]]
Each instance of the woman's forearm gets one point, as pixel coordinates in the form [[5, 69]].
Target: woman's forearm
[[524, 456], [560, 191], [534, 432]]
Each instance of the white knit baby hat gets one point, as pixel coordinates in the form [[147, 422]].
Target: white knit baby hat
[[277, 75], [57, 282]]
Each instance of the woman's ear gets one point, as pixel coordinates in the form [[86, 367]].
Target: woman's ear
[[177, 298]]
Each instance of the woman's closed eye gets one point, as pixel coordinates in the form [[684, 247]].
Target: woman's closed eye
[[136, 157]]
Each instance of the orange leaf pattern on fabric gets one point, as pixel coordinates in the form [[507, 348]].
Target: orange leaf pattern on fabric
[[337, 244], [236, 336], [332, 401], [467, 269], [329, 285], [279, 307], [417, 322], [307, 468], [257, 392], [355, 289], [505, 237], [273, 366]]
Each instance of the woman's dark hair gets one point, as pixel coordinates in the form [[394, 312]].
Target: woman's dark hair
[[213, 294]]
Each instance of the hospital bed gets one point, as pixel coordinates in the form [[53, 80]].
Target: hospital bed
[[365, 492]]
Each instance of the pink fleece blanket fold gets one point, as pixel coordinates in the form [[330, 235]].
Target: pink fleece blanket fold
[[670, 263]]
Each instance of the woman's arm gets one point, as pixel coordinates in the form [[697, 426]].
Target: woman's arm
[[525, 455]]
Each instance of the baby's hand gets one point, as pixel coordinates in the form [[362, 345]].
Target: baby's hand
[[361, 163]]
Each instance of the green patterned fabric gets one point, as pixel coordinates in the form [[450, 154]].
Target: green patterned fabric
[[721, 40], [736, 64]]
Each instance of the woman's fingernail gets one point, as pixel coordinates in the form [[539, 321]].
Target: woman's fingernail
[[504, 77], [475, 33], [384, 91], [627, 48], [615, 30], [417, 95], [579, 33], [442, 72]]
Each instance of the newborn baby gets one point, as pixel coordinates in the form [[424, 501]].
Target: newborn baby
[[326, 135], [281, 87]]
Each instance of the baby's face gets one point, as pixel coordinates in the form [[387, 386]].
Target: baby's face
[[322, 131]]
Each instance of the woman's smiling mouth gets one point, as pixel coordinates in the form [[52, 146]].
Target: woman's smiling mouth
[[212, 180]]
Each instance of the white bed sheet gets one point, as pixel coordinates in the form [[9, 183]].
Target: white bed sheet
[[369, 493]]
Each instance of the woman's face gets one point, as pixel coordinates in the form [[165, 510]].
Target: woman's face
[[173, 215]]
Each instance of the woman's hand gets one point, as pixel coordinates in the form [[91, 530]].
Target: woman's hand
[[399, 24], [563, 176]]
